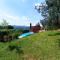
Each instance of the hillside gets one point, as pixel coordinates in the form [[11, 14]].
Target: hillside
[[39, 46], [21, 27]]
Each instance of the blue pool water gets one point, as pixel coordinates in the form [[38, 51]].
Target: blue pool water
[[25, 34]]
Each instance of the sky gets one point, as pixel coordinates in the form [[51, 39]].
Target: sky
[[20, 12]]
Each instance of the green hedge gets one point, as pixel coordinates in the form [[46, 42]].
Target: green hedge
[[9, 34]]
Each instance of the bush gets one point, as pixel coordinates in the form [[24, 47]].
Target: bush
[[3, 35], [10, 34], [16, 46], [10, 27], [25, 31]]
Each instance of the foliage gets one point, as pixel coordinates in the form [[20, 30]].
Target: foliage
[[4, 24], [9, 34], [25, 31], [10, 27], [6, 27], [54, 11], [51, 13]]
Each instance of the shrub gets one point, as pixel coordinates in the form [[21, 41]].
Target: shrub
[[16, 46], [25, 31], [10, 34]]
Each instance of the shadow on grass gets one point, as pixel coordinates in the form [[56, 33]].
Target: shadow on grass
[[58, 42], [54, 34], [18, 49]]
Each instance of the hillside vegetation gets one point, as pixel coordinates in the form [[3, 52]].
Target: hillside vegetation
[[39, 46]]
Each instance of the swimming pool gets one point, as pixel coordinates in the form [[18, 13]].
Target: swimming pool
[[25, 34]]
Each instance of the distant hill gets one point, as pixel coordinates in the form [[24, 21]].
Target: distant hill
[[21, 27]]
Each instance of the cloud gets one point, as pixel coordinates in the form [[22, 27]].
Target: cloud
[[15, 20]]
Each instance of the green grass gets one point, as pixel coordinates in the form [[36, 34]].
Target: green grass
[[39, 46]]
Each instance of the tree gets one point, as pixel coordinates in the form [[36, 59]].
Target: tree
[[4, 24], [10, 27], [51, 12], [54, 11], [43, 9], [30, 25]]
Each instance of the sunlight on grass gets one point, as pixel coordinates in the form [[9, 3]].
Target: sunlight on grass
[[39, 46]]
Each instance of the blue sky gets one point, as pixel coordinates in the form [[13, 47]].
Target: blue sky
[[19, 12]]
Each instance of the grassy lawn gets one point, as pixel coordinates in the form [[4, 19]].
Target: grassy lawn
[[39, 46]]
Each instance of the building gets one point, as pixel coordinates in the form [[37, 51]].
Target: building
[[36, 28]]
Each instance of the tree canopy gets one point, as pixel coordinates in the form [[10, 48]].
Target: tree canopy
[[51, 12]]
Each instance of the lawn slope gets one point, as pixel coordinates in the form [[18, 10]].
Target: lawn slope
[[39, 46]]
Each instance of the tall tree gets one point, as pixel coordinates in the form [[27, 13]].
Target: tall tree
[[51, 12], [43, 9], [54, 11]]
